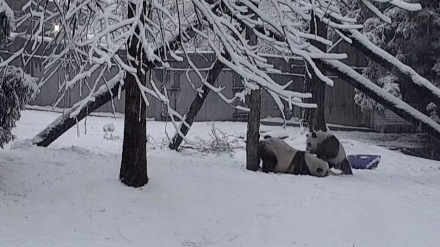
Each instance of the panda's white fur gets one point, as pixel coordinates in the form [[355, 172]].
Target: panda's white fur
[[327, 147], [280, 157]]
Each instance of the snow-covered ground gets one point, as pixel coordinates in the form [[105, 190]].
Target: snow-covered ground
[[69, 195]]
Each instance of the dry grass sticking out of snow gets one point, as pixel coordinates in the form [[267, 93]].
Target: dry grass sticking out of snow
[[69, 195]]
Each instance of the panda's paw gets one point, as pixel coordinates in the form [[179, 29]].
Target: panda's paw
[[335, 171]]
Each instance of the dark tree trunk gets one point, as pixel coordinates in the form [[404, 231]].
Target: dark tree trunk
[[253, 131], [134, 146], [134, 149], [197, 104], [315, 117], [390, 102], [253, 123], [393, 65]]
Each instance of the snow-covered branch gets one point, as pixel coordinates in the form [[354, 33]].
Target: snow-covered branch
[[377, 93], [90, 37], [6, 23], [16, 90], [405, 73]]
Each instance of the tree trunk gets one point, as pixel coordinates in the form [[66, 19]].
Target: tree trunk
[[253, 131], [134, 146], [253, 122], [390, 102], [407, 76], [315, 117], [197, 104]]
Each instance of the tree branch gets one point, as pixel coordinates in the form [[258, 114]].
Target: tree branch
[[103, 95]]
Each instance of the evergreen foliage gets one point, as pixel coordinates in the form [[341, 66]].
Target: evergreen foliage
[[16, 87], [413, 38]]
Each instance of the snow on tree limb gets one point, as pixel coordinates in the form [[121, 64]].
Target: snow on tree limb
[[94, 33], [75, 114], [375, 92], [16, 87], [405, 73], [4, 7], [16, 90], [403, 5], [6, 22], [376, 11], [104, 94], [88, 47]]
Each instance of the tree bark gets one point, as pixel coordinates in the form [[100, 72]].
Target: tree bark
[[390, 102], [134, 146], [315, 117], [253, 122], [196, 104], [253, 131]]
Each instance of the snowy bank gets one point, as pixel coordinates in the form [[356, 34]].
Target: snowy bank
[[69, 195]]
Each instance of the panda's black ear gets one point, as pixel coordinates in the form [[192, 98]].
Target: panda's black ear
[[314, 135]]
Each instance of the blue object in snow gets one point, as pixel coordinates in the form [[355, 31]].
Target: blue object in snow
[[364, 161]]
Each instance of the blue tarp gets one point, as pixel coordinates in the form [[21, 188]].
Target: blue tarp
[[364, 161]]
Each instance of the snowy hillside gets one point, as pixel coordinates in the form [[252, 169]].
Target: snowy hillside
[[69, 195]]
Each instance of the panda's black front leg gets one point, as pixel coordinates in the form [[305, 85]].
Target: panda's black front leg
[[268, 166], [264, 167], [269, 163], [346, 167]]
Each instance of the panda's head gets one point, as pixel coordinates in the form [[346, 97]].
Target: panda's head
[[314, 139], [317, 167]]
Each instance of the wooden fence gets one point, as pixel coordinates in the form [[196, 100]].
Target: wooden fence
[[340, 106]]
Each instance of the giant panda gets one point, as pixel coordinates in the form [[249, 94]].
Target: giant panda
[[327, 147], [279, 157]]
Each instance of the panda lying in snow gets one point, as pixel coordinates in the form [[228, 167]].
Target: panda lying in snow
[[327, 147], [279, 157]]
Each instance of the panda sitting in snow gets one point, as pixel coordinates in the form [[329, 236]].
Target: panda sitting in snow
[[327, 147], [279, 157]]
